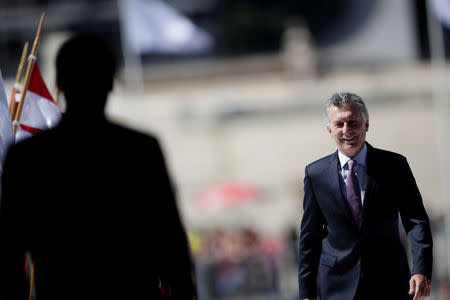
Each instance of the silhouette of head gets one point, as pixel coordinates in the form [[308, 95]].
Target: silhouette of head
[[85, 70]]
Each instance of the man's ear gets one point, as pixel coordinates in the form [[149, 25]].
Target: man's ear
[[367, 125]]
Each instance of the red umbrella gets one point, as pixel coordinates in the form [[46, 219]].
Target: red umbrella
[[225, 195]]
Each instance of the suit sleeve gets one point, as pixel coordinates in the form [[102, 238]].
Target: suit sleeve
[[178, 268], [416, 223], [310, 246]]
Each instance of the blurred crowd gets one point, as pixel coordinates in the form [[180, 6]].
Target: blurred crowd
[[239, 262]]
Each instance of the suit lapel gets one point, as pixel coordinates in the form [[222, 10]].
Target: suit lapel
[[338, 186], [372, 184]]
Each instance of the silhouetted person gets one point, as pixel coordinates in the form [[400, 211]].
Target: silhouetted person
[[91, 201]]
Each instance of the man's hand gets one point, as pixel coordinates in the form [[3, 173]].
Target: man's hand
[[420, 286]]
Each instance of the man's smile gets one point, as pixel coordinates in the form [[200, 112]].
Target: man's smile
[[349, 139]]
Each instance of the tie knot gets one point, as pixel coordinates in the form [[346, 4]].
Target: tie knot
[[351, 163]]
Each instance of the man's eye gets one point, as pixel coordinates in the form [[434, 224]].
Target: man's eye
[[338, 125]]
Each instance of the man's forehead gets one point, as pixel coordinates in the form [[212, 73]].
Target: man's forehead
[[345, 115], [346, 109], [346, 106]]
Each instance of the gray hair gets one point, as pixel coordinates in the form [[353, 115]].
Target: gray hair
[[340, 99]]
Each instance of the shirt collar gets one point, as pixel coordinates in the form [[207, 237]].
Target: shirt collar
[[360, 158]]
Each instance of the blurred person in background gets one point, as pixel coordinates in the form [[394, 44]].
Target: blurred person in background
[[91, 201], [350, 225]]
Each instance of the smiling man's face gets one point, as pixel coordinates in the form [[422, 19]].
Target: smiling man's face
[[348, 128]]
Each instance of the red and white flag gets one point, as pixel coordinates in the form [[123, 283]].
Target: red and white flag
[[39, 110]]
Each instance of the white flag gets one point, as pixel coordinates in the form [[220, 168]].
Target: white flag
[[152, 26], [6, 130]]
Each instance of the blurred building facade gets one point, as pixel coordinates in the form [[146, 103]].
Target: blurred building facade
[[343, 32]]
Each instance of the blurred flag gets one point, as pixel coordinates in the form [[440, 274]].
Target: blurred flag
[[441, 9], [152, 26], [6, 129], [39, 111]]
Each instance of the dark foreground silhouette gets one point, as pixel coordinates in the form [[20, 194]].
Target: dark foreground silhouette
[[91, 201]]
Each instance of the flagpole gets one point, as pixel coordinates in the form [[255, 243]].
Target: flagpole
[[31, 61], [56, 96], [132, 62], [13, 103], [31, 294]]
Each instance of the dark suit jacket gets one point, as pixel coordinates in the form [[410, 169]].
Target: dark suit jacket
[[346, 252], [93, 204]]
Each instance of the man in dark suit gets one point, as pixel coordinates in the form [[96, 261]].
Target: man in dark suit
[[350, 226], [91, 201]]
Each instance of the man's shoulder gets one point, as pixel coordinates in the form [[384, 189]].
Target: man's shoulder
[[34, 141], [133, 139], [31, 150], [383, 154], [321, 163], [132, 133]]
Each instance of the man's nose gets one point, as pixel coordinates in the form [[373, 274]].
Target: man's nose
[[345, 128]]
